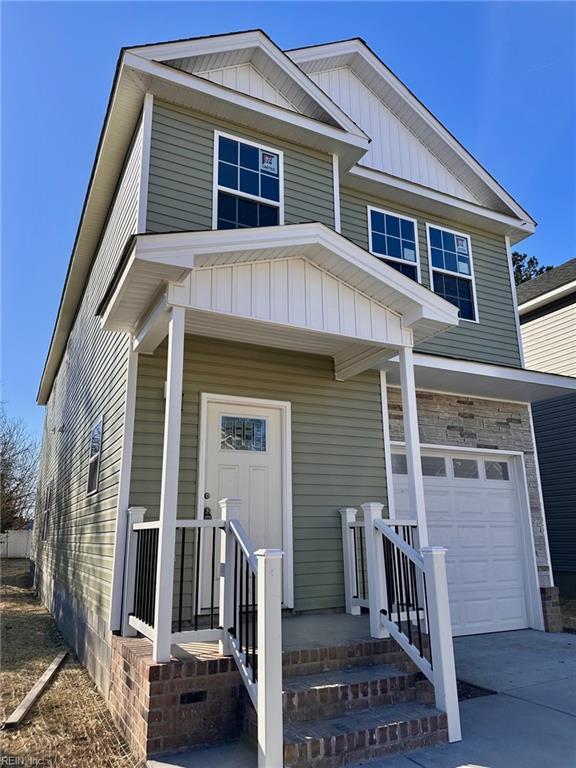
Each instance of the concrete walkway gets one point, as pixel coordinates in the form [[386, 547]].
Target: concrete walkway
[[530, 723]]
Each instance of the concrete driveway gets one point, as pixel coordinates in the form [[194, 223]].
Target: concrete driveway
[[530, 723]]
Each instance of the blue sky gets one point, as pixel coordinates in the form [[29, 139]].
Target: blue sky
[[500, 76]]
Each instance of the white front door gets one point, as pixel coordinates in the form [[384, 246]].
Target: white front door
[[472, 509], [244, 460]]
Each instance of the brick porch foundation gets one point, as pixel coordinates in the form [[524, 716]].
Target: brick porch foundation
[[182, 703], [551, 609]]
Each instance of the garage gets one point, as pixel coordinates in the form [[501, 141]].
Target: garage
[[473, 510]]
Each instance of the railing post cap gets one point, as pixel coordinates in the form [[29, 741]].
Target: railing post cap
[[434, 551], [269, 554], [229, 500], [345, 511], [136, 511], [372, 507]]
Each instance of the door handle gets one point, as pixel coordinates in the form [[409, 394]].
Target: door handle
[[207, 513]]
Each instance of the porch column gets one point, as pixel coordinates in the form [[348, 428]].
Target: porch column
[[169, 489], [412, 438]]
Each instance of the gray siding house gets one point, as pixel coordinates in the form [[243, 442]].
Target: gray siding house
[[285, 396], [547, 307]]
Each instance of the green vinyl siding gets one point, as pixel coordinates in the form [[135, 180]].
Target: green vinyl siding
[[494, 338], [77, 555], [337, 444], [180, 182]]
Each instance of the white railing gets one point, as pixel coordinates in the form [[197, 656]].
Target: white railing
[[224, 591], [354, 552], [408, 601]]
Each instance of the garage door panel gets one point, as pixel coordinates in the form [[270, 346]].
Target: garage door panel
[[477, 520]]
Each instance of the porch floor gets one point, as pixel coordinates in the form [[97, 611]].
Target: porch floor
[[315, 630]]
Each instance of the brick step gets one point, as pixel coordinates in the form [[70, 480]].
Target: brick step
[[329, 694], [357, 653], [364, 735]]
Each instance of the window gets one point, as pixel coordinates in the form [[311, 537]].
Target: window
[[238, 433], [451, 266], [465, 468], [248, 184], [399, 465], [433, 466], [496, 470], [94, 463], [47, 507], [394, 240]]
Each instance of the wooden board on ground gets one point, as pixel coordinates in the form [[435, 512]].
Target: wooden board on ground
[[28, 700]]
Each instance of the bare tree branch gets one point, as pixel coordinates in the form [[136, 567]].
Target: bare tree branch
[[18, 472]]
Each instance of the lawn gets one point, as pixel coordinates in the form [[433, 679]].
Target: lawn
[[70, 724]]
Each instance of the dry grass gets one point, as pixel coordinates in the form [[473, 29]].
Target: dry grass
[[568, 608], [69, 725]]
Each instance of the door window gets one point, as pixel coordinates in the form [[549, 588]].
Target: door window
[[242, 433]]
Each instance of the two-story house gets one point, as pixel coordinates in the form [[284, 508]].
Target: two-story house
[[285, 382]]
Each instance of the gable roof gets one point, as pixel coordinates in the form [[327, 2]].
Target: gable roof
[[361, 60], [548, 282]]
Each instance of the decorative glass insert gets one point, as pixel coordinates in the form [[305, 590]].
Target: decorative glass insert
[[394, 239], [242, 433], [496, 470], [433, 466], [399, 465], [451, 263], [465, 468], [239, 213], [94, 462]]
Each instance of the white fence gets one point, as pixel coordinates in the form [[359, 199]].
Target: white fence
[[15, 544]]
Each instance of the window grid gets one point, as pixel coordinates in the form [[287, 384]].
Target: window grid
[[394, 240], [450, 255], [252, 175]]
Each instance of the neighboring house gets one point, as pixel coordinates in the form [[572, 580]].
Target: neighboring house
[[547, 307], [291, 287]]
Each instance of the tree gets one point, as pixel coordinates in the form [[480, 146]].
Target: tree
[[526, 267], [18, 472]]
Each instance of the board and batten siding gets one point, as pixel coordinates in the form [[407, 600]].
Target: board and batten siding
[[90, 384], [181, 173], [494, 339], [337, 444], [549, 341]]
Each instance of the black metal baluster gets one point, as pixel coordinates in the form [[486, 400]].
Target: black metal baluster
[[362, 568], [197, 580], [427, 616], [240, 627], [407, 594], [213, 576], [181, 603], [254, 663], [148, 565], [417, 606], [247, 604], [355, 560], [235, 613]]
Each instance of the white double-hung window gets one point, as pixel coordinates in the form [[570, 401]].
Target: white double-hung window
[[450, 255], [248, 184], [394, 239]]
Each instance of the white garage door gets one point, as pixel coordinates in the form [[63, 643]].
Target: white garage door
[[472, 510]]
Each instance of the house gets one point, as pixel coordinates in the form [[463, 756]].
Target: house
[[547, 308], [288, 427]]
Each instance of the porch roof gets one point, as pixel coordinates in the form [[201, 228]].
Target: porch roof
[[299, 286]]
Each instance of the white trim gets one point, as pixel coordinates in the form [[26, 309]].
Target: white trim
[[372, 175], [471, 277], [547, 298], [387, 445], [237, 192], [369, 209], [520, 485], [147, 109], [285, 408], [336, 192], [541, 497], [514, 299], [240, 41], [116, 596]]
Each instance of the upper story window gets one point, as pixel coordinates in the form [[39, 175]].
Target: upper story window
[[394, 239], [248, 184], [95, 453], [452, 274], [48, 494]]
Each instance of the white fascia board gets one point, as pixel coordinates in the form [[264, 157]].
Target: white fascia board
[[131, 58], [495, 382], [547, 298], [519, 229], [357, 47], [187, 249]]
